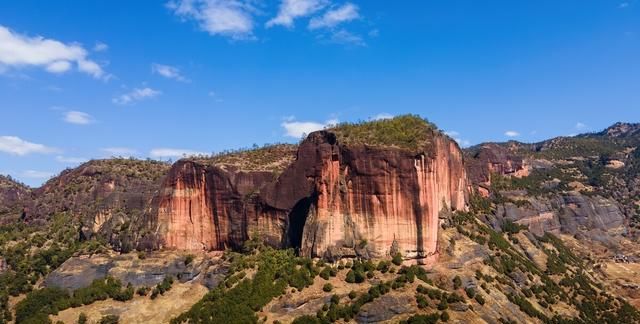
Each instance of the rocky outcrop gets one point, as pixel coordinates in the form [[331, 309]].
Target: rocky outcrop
[[12, 194], [489, 159], [214, 207], [571, 213], [333, 200]]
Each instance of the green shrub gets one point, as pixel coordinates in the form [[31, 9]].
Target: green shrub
[[457, 282], [109, 319], [470, 292], [444, 317], [82, 318], [397, 259], [327, 287], [189, 259]]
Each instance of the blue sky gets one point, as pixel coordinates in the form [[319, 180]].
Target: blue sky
[[93, 79]]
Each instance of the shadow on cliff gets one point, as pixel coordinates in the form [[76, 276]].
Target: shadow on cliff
[[297, 220]]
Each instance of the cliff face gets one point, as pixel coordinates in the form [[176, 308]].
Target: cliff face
[[332, 200], [12, 194], [211, 208]]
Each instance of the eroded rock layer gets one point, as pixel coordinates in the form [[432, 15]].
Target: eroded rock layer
[[332, 200]]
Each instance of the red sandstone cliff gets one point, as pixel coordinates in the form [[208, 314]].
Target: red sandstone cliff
[[333, 199]]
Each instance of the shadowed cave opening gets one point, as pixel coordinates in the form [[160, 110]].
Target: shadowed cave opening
[[297, 219]]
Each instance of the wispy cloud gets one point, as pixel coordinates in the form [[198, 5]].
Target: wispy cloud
[[78, 118], [345, 37], [164, 153], [623, 5], [33, 174], [119, 151], [72, 160], [168, 71], [382, 116], [580, 126], [16, 146], [18, 51], [230, 18], [100, 47], [511, 133], [298, 129], [457, 137], [136, 95], [292, 9], [336, 16]]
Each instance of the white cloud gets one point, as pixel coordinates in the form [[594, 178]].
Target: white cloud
[[18, 51], [169, 72], [72, 160], [33, 174], [119, 151], [16, 146], [297, 129], [58, 67], [292, 9], [580, 126], [78, 118], [163, 153], [382, 116], [230, 18], [511, 133], [136, 95], [346, 38], [623, 5], [456, 137], [100, 47], [334, 17]]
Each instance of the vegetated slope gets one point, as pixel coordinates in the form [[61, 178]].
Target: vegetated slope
[[585, 186], [106, 197], [11, 194], [483, 276]]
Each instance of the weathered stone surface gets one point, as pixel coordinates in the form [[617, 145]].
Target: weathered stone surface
[[385, 308], [79, 272], [490, 158], [569, 212], [12, 194], [331, 198]]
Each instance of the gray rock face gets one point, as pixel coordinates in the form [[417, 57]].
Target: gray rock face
[[385, 308], [571, 213], [78, 272]]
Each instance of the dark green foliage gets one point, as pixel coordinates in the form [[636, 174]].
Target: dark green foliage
[[444, 304], [457, 282], [480, 299], [408, 131], [397, 259], [143, 291], [162, 287], [444, 317], [43, 302], [276, 270], [307, 319], [470, 292], [189, 259], [82, 318], [353, 295], [327, 287], [510, 227], [422, 319], [109, 319]]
